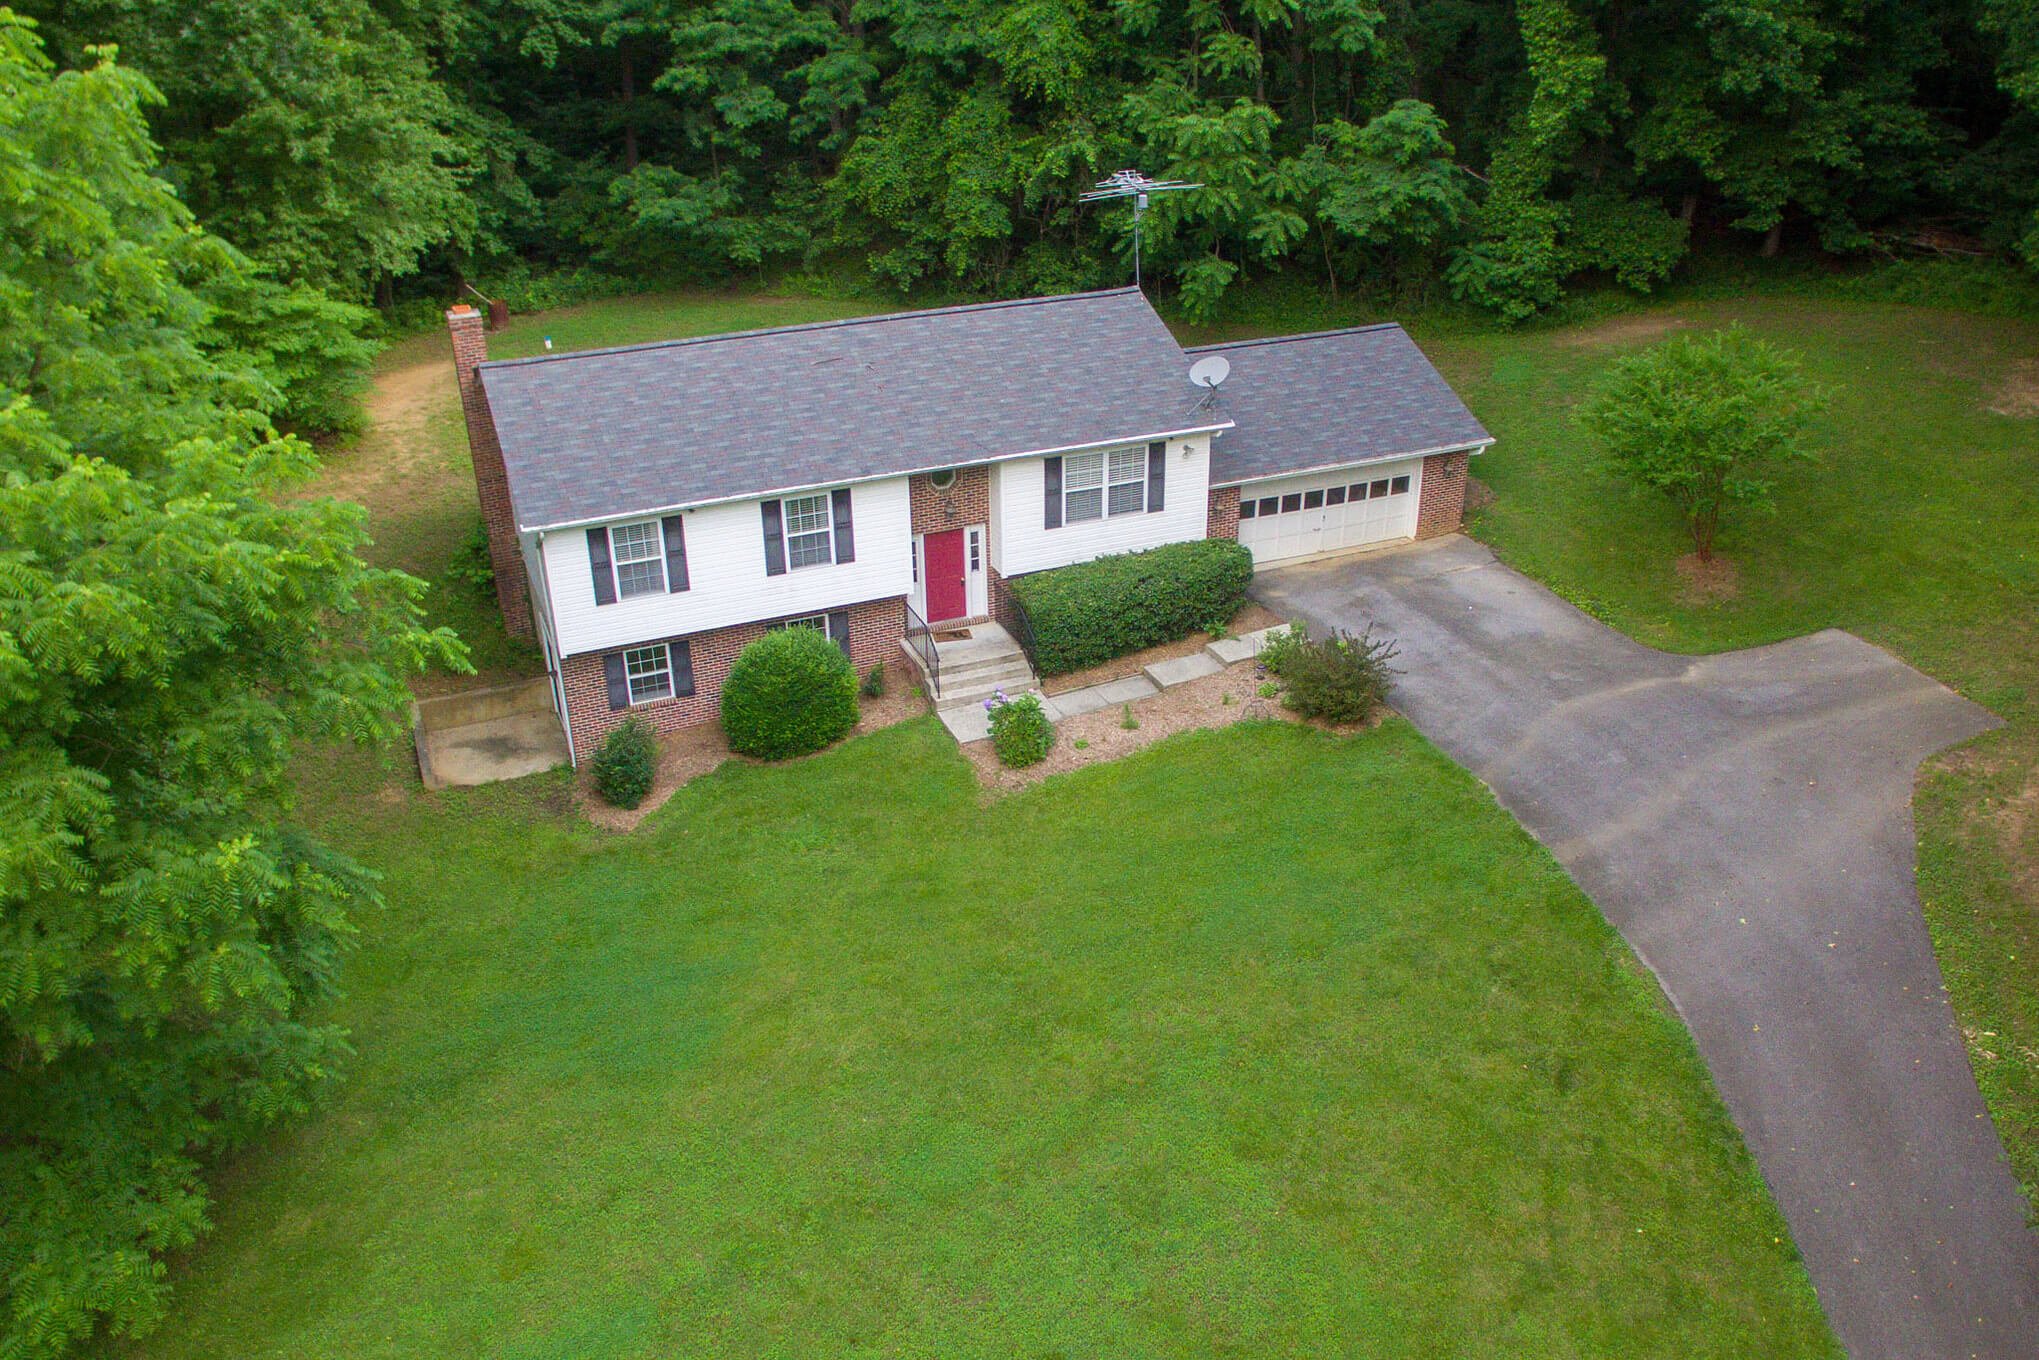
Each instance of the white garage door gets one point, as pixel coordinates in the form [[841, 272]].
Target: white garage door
[[1294, 517]]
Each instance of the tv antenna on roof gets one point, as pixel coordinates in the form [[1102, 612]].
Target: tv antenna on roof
[[1207, 373], [1136, 186]]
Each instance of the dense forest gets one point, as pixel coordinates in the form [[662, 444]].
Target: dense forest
[[1487, 150]]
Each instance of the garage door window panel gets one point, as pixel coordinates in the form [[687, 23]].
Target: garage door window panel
[[1399, 486]]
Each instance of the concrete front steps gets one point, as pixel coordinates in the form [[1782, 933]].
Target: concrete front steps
[[974, 668]]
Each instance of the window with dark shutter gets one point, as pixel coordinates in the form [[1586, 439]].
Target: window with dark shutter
[[598, 566], [845, 539], [676, 553], [619, 685], [775, 539], [1157, 473], [1051, 481]]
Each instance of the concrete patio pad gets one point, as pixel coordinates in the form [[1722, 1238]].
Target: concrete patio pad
[[1745, 821], [485, 735]]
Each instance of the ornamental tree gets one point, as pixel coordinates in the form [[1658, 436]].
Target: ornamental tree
[[175, 618], [1702, 419]]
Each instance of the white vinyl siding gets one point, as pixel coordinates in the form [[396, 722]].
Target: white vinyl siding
[[639, 553], [727, 583], [1019, 541]]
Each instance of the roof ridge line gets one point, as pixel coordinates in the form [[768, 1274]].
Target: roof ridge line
[[796, 328], [1300, 335]]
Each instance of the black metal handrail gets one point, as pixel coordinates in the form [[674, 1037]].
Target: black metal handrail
[[921, 638], [1021, 626]]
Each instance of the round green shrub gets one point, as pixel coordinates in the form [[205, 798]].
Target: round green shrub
[[790, 692], [1020, 731], [626, 763]]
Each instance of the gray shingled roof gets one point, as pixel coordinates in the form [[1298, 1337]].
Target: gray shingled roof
[[603, 433], [1311, 401]]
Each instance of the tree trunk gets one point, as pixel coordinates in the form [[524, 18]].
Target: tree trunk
[[1688, 209], [385, 291], [1330, 273], [1773, 240], [629, 112]]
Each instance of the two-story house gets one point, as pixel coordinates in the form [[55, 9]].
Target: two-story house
[[652, 509]]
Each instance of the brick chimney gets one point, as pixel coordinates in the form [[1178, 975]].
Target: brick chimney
[[491, 482]]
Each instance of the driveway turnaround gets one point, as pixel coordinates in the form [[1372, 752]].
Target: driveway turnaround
[[1745, 821]]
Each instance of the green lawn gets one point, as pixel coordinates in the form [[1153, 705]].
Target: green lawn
[[1261, 1043]]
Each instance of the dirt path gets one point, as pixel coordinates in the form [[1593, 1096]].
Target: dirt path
[[405, 453]]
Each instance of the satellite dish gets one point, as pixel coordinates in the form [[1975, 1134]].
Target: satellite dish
[[1209, 371]]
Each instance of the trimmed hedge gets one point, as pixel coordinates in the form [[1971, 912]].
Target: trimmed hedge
[[790, 692], [1094, 611]]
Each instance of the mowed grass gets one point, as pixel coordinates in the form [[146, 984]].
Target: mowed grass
[[1262, 1043], [1917, 527]]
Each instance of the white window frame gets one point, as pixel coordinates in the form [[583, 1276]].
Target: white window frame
[[618, 561], [1105, 472], [826, 531], [657, 660], [818, 622]]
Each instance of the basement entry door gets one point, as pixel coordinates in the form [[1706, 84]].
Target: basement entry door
[[1356, 507]]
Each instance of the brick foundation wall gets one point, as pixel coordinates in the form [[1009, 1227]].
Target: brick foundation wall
[[491, 481], [1442, 506], [967, 501], [1222, 521], [875, 631]]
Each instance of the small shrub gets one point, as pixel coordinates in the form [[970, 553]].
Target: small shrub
[[625, 764], [790, 692], [1020, 730], [1343, 679], [1126, 718], [471, 565], [1281, 644], [1268, 689], [1082, 745], [874, 683], [1094, 611]]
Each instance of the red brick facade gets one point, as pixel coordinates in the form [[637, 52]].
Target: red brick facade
[[491, 482], [1222, 521], [964, 502], [1441, 507], [876, 627]]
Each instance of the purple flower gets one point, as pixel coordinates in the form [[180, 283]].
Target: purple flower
[[987, 705]]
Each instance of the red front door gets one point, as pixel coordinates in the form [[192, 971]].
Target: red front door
[[942, 564]]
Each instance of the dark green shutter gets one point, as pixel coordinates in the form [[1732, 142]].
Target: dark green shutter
[[1051, 487], [598, 566], [1157, 473], [845, 532], [682, 654], [775, 540], [619, 684], [676, 553]]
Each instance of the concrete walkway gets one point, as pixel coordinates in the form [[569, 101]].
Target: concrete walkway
[[1745, 821], [972, 721]]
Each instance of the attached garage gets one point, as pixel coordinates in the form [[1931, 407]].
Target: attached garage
[[1287, 518], [1331, 437]]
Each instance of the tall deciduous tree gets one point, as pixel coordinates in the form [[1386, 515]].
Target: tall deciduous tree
[[1706, 421], [172, 624]]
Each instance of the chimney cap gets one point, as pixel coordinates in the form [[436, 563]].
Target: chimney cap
[[461, 309]]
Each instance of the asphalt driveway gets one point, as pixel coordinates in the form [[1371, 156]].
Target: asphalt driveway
[[1745, 821]]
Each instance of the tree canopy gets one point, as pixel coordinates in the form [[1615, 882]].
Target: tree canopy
[[1499, 149], [1705, 421], [174, 620]]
